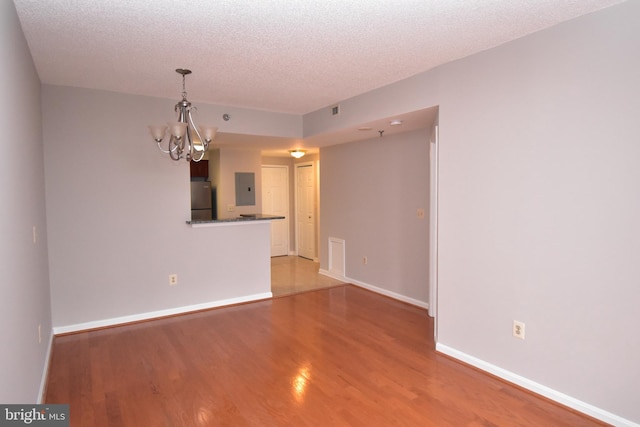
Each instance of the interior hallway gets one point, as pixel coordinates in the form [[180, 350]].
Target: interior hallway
[[293, 274]]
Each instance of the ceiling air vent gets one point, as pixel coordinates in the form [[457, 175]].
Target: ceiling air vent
[[335, 110]]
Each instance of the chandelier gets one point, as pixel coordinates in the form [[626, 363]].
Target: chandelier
[[187, 141]]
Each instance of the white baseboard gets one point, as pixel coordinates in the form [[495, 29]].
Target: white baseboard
[[390, 294], [377, 290], [537, 388], [333, 276], [157, 314], [45, 370]]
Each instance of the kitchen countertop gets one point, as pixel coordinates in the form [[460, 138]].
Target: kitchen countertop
[[240, 219]]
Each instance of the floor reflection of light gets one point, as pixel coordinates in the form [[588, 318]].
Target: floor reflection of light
[[300, 382], [203, 417]]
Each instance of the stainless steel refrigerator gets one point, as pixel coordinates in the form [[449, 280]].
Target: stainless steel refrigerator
[[201, 206]]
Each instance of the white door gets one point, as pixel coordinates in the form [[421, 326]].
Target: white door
[[275, 201], [305, 210]]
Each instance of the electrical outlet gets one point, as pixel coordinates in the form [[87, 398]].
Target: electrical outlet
[[365, 260], [173, 279], [420, 213], [518, 329]]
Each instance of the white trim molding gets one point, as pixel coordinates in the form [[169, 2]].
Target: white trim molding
[[332, 275], [57, 330], [377, 290], [389, 294], [537, 388], [45, 371]]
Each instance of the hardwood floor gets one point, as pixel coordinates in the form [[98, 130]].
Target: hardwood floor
[[341, 356], [292, 274]]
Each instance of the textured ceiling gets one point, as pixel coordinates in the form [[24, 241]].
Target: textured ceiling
[[292, 56]]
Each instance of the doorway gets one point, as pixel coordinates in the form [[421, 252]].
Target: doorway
[[306, 209]]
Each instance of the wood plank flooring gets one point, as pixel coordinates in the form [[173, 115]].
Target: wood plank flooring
[[341, 356], [293, 274]]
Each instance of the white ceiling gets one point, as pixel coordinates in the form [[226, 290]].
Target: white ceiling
[[290, 56]]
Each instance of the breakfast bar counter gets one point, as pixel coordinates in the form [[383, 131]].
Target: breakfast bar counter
[[242, 219]]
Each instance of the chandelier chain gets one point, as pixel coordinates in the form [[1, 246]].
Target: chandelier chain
[[184, 89]]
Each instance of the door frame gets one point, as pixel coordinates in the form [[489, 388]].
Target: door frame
[[433, 226]]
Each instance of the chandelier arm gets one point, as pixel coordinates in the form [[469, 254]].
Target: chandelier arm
[[188, 144], [195, 129], [175, 152], [205, 144], [183, 143], [169, 149], [162, 149], [194, 159]]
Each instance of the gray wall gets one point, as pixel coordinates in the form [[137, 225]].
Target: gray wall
[[116, 211], [370, 192], [24, 304], [539, 207], [539, 203]]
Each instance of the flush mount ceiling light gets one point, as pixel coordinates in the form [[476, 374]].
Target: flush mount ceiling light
[[297, 153], [187, 141], [395, 122]]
